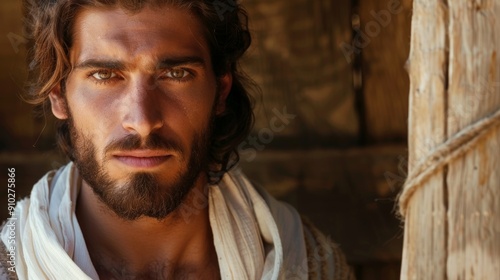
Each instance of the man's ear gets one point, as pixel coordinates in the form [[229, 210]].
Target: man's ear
[[225, 85], [58, 103]]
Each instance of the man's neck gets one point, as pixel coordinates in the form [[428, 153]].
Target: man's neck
[[179, 246]]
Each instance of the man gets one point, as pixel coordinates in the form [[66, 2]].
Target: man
[[152, 108]]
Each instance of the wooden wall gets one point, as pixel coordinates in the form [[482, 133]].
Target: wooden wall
[[330, 135], [338, 66]]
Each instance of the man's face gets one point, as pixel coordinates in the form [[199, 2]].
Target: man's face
[[140, 102]]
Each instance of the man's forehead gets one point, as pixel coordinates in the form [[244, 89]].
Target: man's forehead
[[117, 16], [149, 33]]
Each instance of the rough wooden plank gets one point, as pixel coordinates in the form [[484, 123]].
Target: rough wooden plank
[[296, 61], [425, 228], [383, 41], [452, 227], [473, 180]]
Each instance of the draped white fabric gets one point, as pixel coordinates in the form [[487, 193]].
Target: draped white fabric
[[49, 242], [255, 236]]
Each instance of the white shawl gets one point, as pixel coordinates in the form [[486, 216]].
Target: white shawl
[[255, 236]]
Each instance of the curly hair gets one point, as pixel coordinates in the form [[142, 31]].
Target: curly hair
[[49, 23]]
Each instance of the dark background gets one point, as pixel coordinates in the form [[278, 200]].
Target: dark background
[[337, 66]]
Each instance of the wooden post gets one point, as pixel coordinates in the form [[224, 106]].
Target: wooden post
[[452, 217]]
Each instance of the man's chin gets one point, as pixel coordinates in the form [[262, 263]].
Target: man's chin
[[145, 195]]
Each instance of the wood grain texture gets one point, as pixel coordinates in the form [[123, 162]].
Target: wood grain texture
[[452, 225], [474, 180], [296, 61], [384, 37], [424, 251]]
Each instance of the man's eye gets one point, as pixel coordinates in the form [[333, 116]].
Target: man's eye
[[177, 73], [103, 75]]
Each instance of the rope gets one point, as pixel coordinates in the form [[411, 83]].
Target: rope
[[443, 154]]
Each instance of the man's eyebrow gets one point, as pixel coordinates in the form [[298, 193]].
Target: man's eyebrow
[[170, 62], [106, 64], [164, 63]]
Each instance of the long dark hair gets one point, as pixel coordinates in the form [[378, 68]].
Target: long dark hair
[[48, 26]]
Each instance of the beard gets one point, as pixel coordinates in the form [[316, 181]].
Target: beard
[[142, 193]]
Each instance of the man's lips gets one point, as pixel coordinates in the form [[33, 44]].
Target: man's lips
[[142, 158], [142, 153]]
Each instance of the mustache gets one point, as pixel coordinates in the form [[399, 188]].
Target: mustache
[[152, 142]]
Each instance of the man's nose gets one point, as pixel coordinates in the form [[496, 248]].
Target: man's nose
[[143, 113]]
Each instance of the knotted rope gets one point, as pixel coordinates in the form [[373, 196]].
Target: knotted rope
[[443, 154]]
